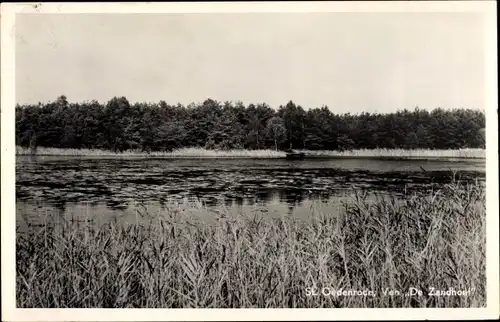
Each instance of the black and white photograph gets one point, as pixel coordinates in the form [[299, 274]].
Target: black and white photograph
[[250, 159]]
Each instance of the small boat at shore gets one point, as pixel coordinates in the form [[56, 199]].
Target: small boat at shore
[[291, 155]]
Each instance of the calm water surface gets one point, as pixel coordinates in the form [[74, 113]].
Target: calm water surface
[[110, 189]]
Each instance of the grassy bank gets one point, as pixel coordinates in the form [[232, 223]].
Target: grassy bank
[[179, 153], [402, 153], [252, 261], [204, 153]]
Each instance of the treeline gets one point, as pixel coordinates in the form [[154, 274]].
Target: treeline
[[119, 125]]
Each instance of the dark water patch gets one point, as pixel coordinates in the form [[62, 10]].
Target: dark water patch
[[149, 181], [254, 181], [206, 189], [117, 204]]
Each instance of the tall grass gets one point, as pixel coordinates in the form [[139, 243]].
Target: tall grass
[[404, 153], [250, 261], [179, 153], [204, 153], [198, 152]]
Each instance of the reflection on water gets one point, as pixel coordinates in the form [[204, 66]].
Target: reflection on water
[[115, 188]]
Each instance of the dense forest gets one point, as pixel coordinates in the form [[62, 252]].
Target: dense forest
[[119, 125]]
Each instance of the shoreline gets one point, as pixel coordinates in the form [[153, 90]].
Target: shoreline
[[314, 158], [198, 153]]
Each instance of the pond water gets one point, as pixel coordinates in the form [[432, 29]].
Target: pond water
[[115, 189]]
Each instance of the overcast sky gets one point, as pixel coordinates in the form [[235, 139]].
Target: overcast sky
[[351, 62]]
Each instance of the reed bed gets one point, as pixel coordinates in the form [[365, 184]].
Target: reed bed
[[253, 261], [178, 153], [404, 153], [198, 152]]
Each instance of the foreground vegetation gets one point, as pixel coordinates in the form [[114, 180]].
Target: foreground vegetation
[[205, 153], [120, 125], [251, 260]]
